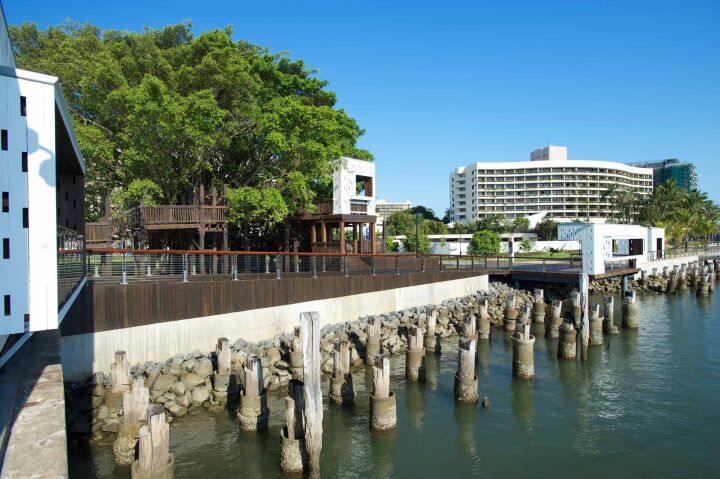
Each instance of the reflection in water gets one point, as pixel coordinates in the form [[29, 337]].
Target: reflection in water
[[704, 303], [538, 330], [465, 416], [483, 358], [382, 444], [551, 347], [507, 341], [415, 404], [432, 363], [522, 402]]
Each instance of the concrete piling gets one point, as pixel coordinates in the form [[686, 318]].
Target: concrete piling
[[567, 347], [672, 283], [654, 273], [224, 388], [372, 347], [295, 356], [553, 329], [608, 323], [292, 437], [432, 345], [342, 390], [466, 381], [682, 279], [135, 404], [630, 311], [523, 365], [703, 286], [511, 314], [253, 412], [484, 327], [596, 325], [154, 458], [665, 272], [383, 403], [415, 370], [538, 311]]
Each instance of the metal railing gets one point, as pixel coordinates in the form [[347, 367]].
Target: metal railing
[[152, 265]]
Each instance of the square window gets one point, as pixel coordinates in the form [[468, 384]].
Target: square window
[[23, 106]]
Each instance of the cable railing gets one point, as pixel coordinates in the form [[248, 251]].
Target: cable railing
[[128, 266]]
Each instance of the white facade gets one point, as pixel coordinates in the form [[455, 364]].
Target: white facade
[[562, 189], [603, 244], [35, 124], [385, 208], [346, 180]]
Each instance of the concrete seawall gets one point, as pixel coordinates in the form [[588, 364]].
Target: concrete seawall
[[83, 354], [661, 263]]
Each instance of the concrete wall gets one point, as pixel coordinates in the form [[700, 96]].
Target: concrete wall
[[83, 354]]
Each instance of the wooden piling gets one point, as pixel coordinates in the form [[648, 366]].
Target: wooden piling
[[253, 412], [383, 407], [415, 355], [135, 405], [538, 311], [224, 389], [432, 345], [511, 314], [609, 316], [342, 390], [466, 381], [484, 327], [293, 457], [154, 459], [310, 334], [372, 347], [295, 355]]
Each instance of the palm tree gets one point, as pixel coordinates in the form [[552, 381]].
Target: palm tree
[[611, 193]]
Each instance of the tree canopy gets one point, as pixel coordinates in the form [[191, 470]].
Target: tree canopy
[[175, 109], [484, 242]]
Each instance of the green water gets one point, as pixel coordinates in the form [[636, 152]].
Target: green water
[[645, 403]]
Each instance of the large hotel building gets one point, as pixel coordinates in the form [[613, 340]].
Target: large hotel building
[[549, 183]]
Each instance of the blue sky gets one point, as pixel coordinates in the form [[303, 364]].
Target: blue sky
[[443, 84]]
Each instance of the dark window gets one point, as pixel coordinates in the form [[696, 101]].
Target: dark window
[[23, 162], [73, 179], [67, 223], [26, 218], [7, 305], [74, 204], [23, 106], [58, 213], [66, 196], [4, 139], [5, 202], [6, 248]]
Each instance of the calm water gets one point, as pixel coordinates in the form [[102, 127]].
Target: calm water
[[647, 402]]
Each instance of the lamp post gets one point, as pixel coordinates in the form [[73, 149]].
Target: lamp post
[[418, 216]]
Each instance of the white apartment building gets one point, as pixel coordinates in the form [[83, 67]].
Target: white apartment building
[[42, 188], [550, 184]]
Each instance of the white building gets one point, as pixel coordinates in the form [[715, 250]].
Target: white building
[[42, 185], [549, 183], [383, 208], [606, 246], [354, 187]]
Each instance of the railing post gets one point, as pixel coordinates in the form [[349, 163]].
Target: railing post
[[314, 266], [372, 264], [235, 267], [278, 267], [297, 263], [457, 263], [267, 264], [472, 263], [422, 264], [441, 263], [397, 264], [124, 270], [497, 262], [485, 263], [543, 268], [185, 271], [323, 264], [97, 271], [345, 266]]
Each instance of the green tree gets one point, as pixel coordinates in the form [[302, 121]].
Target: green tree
[[433, 227], [400, 223], [496, 222], [247, 204], [521, 225], [546, 230], [421, 245], [484, 242], [179, 109], [137, 193], [427, 213]]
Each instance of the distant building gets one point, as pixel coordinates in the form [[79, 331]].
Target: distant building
[[664, 170], [385, 208], [43, 198], [564, 189]]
